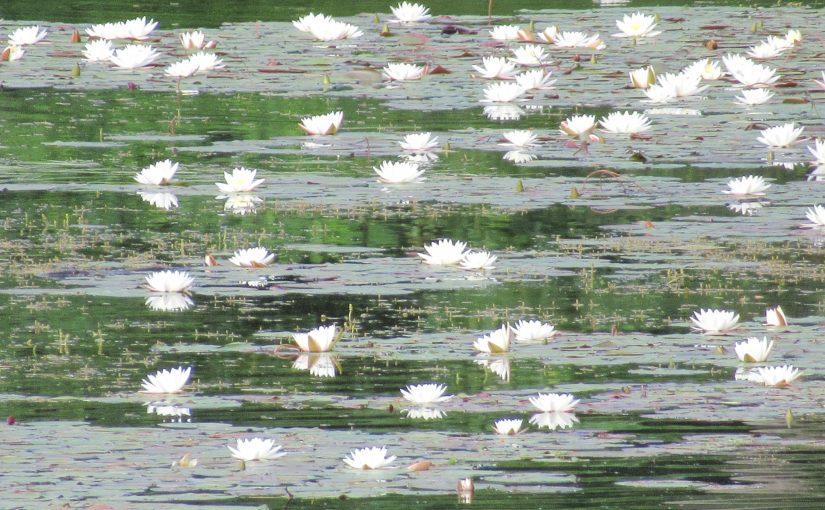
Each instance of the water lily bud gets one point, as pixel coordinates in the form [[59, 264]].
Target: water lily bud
[[385, 30], [75, 36], [75, 70], [376, 19], [574, 193], [210, 260], [593, 58], [519, 186], [789, 418]]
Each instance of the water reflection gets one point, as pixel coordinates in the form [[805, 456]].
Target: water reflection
[[169, 302], [747, 207], [321, 364], [161, 200], [424, 413], [519, 157], [554, 420], [500, 365], [817, 174], [169, 411], [240, 203], [503, 112]]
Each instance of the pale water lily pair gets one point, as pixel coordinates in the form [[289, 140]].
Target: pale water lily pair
[[447, 252]]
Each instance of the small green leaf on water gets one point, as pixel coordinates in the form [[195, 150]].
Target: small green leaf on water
[[574, 193], [519, 186], [789, 418]]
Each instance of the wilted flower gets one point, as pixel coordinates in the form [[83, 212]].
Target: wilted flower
[[780, 136], [752, 185], [502, 92], [495, 342], [478, 260], [169, 281], [99, 50], [166, 381], [407, 12], [403, 72], [777, 376], [240, 180], [27, 35], [527, 331], [554, 402], [252, 257], [320, 339], [158, 174], [752, 97], [529, 55], [327, 124], [398, 172], [134, 56], [637, 25], [754, 350], [444, 252], [256, 449], [507, 427], [554, 420], [775, 317], [714, 322], [625, 122], [368, 458], [495, 68], [425, 393]]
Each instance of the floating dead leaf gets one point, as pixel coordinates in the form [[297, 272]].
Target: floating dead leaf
[[422, 465], [795, 100], [440, 70], [714, 27], [455, 29], [711, 44]]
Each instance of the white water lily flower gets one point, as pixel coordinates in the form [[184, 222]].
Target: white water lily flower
[[643, 77], [98, 50], [712, 322], [537, 79], [319, 364], [754, 350], [749, 74], [520, 138], [425, 393], [818, 151], [206, 61], [252, 257], [752, 97], [578, 40], [158, 174], [751, 185], [625, 122], [529, 55], [419, 142], [705, 69], [781, 136], [256, 449], [769, 48], [305, 22], [495, 68], [660, 93], [549, 34], [478, 260], [166, 381], [320, 339], [506, 33], [134, 56], [407, 12], [495, 342], [403, 72], [554, 402], [816, 215], [327, 124], [169, 281], [793, 36], [735, 62], [27, 35], [682, 84], [554, 420], [325, 29], [399, 172], [777, 376], [637, 25], [138, 28], [181, 69], [578, 126], [424, 413], [529, 331], [444, 252], [775, 317], [502, 92], [12, 53], [507, 427], [107, 31], [239, 180], [368, 458], [169, 302], [194, 40]]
